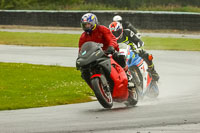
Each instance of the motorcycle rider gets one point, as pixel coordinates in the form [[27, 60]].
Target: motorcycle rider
[[127, 36], [100, 34], [126, 25]]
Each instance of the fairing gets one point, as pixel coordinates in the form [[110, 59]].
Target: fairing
[[90, 52], [118, 75]]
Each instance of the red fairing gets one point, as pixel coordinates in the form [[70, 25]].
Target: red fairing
[[148, 80], [118, 75], [95, 75], [100, 34]]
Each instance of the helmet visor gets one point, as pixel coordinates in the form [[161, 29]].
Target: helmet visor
[[86, 26], [117, 33]]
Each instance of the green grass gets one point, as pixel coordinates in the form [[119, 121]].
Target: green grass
[[71, 40], [172, 44], [27, 86], [39, 39]]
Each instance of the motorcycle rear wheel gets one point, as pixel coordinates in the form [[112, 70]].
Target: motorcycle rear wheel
[[153, 91], [103, 95]]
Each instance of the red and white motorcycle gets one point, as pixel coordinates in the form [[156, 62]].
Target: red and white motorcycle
[[142, 78]]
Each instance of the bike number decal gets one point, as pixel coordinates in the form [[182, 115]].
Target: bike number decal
[[143, 69]]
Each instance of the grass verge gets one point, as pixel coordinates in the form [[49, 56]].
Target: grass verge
[[39, 39], [27, 86], [71, 40], [184, 44]]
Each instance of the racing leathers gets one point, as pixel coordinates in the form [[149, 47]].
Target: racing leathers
[[128, 25], [129, 37]]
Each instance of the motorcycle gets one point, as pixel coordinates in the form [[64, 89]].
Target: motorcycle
[[107, 79], [142, 78]]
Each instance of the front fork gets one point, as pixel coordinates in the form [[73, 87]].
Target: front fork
[[102, 79]]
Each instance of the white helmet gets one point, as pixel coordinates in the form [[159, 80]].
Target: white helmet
[[116, 29], [117, 18]]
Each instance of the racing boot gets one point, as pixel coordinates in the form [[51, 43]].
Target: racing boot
[[148, 58], [153, 72], [129, 76]]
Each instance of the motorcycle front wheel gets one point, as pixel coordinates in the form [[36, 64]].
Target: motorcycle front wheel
[[103, 94]]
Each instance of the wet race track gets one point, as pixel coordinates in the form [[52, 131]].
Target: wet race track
[[177, 108]]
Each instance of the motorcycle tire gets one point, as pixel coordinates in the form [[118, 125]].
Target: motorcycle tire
[[138, 80], [153, 91], [133, 98], [103, 96]]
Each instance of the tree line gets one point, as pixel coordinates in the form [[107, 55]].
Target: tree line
[[134, 4], [66, 4]]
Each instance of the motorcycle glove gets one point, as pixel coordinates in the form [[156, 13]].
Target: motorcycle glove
[[110, 50]]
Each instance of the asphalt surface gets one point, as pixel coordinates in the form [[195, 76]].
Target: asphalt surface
[[38, 55], [177, 108]]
